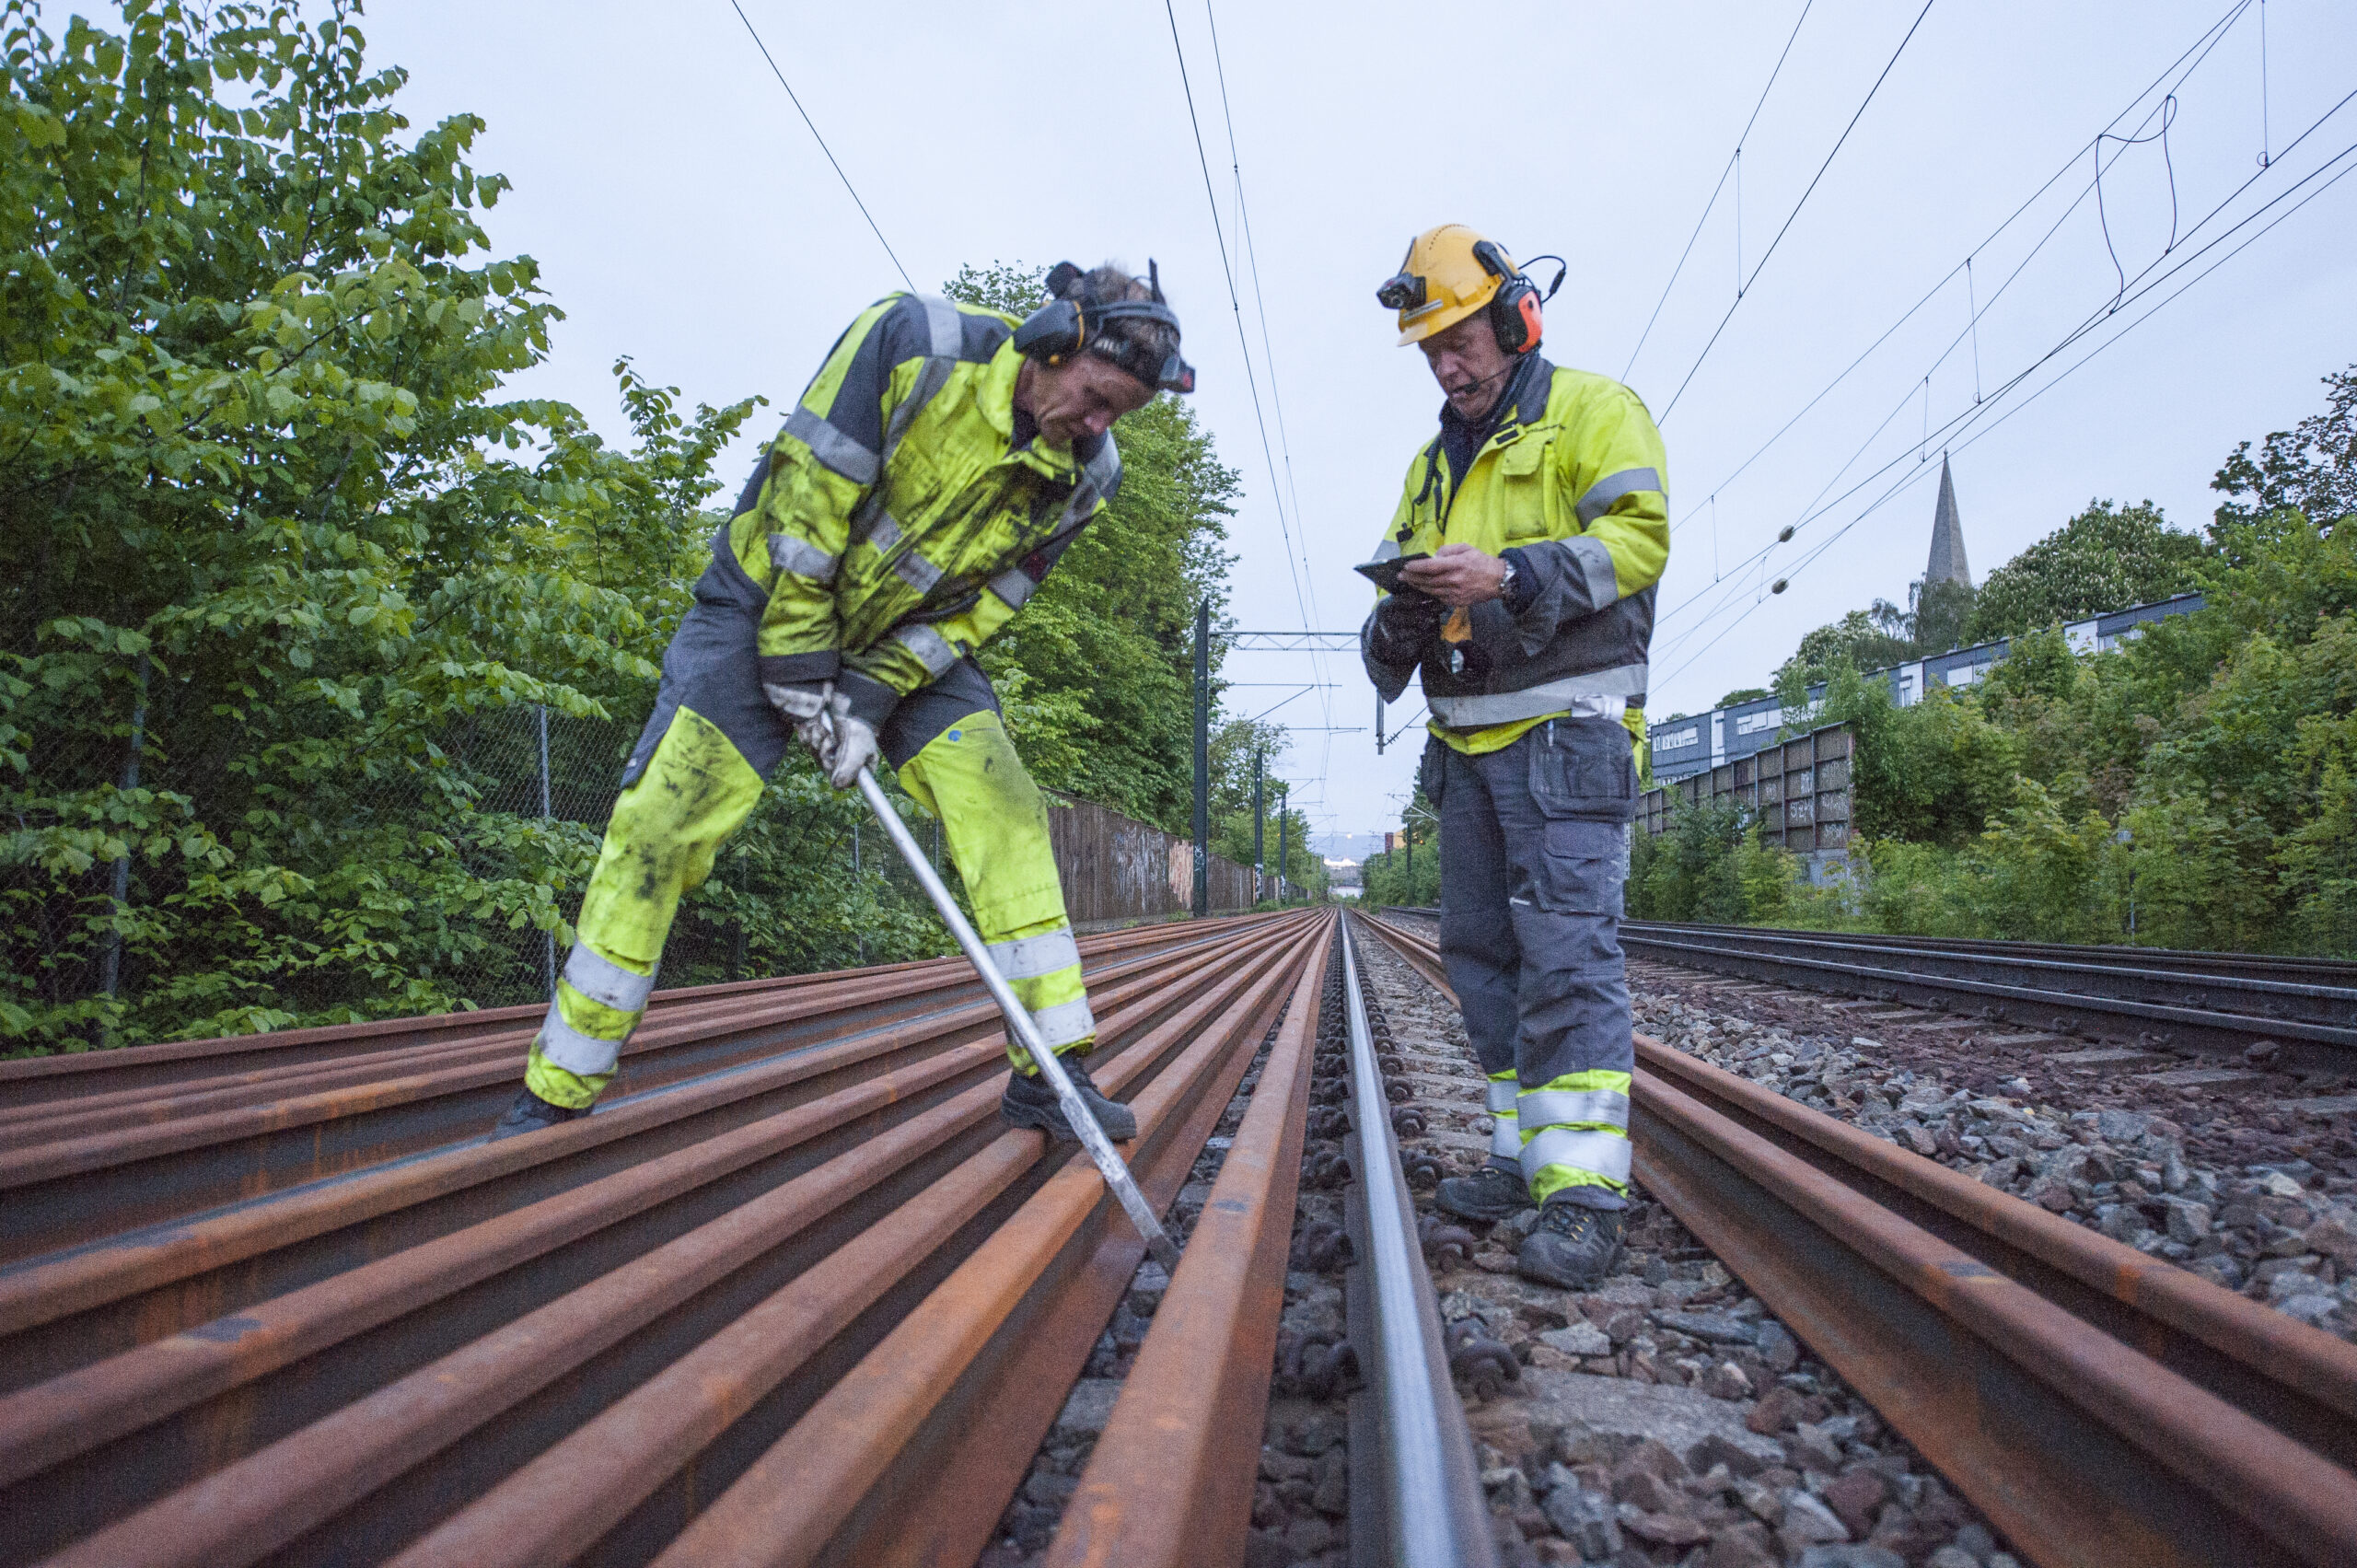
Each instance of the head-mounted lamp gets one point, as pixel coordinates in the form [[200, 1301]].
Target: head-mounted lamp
[[1401, 291]]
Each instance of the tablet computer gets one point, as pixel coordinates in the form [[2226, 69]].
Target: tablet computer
[[1384, 575]]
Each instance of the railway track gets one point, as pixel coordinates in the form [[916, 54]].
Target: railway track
[[2100, 1406], [795, 1295], [2300, 1011]]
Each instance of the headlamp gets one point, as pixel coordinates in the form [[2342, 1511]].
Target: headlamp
[[1401, 291]]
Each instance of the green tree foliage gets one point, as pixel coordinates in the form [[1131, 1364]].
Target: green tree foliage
[[1400, 877], [2107, 558], [1875, 638], [1408, 875], [1098, 674], [2311, 470], [2202, 775], [262, 502], [1233, 746], [284, 575], [1710, 864]]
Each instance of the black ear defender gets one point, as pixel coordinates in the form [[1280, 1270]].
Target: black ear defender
[[1058, 329], [1515, 313], [1064, 326]]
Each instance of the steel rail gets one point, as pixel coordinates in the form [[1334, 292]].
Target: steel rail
[[31, 1088], [1932, 977], [2098, 1405], [187, 1151], [1428, 1507], [2187, 962], [2253, 988], [2184, 962], [140, 1283], [1170, 1481], [341, 1367], [908, 1456]]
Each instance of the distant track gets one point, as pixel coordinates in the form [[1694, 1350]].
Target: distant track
[[2216, 1004]]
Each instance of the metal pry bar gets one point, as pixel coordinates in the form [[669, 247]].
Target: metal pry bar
[[1027, 1034]]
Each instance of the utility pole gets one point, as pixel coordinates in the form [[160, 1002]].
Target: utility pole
[[1203, 757], [1260, 820], [1378, 723], [1284, 821]]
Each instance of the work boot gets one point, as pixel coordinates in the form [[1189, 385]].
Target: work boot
[[1572, 1246], [529, 1114], [1492, 1193], [1029, 1102]]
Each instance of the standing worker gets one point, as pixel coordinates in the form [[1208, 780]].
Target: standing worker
[[1542, 510], [928, 479]]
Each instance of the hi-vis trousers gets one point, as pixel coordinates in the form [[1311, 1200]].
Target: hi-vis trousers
[[696, 775], [1532, 838]]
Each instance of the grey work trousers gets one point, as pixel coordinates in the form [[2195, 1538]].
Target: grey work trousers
[[1534, 845]]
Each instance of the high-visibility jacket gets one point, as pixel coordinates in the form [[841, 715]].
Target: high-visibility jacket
[[1570, 487], [893, 523]]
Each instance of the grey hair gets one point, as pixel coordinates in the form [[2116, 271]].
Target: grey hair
[[1126, 342]]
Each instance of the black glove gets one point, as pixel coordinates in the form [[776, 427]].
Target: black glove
[[1404, 623]]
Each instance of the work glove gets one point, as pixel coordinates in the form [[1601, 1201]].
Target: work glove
[[803, 704], [1404, 623], [852, 747]]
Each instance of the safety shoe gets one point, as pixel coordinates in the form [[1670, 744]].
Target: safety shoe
[[529, 1114], [1572, 1246], [1029, 1102], [1490, 1193]]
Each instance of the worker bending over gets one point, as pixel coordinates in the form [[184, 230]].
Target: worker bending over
[[928, 479], [1542, 509]]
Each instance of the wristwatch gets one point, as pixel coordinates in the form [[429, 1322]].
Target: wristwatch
[[1505, 583]]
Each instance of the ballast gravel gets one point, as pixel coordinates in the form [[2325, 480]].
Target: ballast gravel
[[1663, 1417], [2246, 1176]]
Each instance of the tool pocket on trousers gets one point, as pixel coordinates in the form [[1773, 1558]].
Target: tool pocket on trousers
[[1585, 867], [1583, 768]]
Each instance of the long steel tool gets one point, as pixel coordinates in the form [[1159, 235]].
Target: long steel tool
[[1027, 1034]]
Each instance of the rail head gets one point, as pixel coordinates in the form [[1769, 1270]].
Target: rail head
[[1432, 1509]]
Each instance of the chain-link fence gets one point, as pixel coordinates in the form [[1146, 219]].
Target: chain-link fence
[[153, 888]]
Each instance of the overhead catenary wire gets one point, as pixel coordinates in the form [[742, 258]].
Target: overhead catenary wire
[[2093, 320], [1919, 474], [1251, 258], [2194, 52], [2196, 55], [1735, 166], [1788, 218], [795, 100], [1963, 421], [1235, 305]]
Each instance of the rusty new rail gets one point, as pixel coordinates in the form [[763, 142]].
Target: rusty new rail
[[795, 1295], [2100, 1406]]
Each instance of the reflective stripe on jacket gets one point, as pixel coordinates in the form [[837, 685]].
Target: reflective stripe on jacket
[[1573, 480], [892, 525]]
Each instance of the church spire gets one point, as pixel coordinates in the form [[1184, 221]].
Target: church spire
[[1947, 564]]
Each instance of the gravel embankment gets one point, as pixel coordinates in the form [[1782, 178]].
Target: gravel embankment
[[2245, 1176]]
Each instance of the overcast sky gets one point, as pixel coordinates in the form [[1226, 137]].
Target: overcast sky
[[682, 215]]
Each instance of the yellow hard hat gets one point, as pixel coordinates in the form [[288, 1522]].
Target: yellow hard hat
[[1443, 280]]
